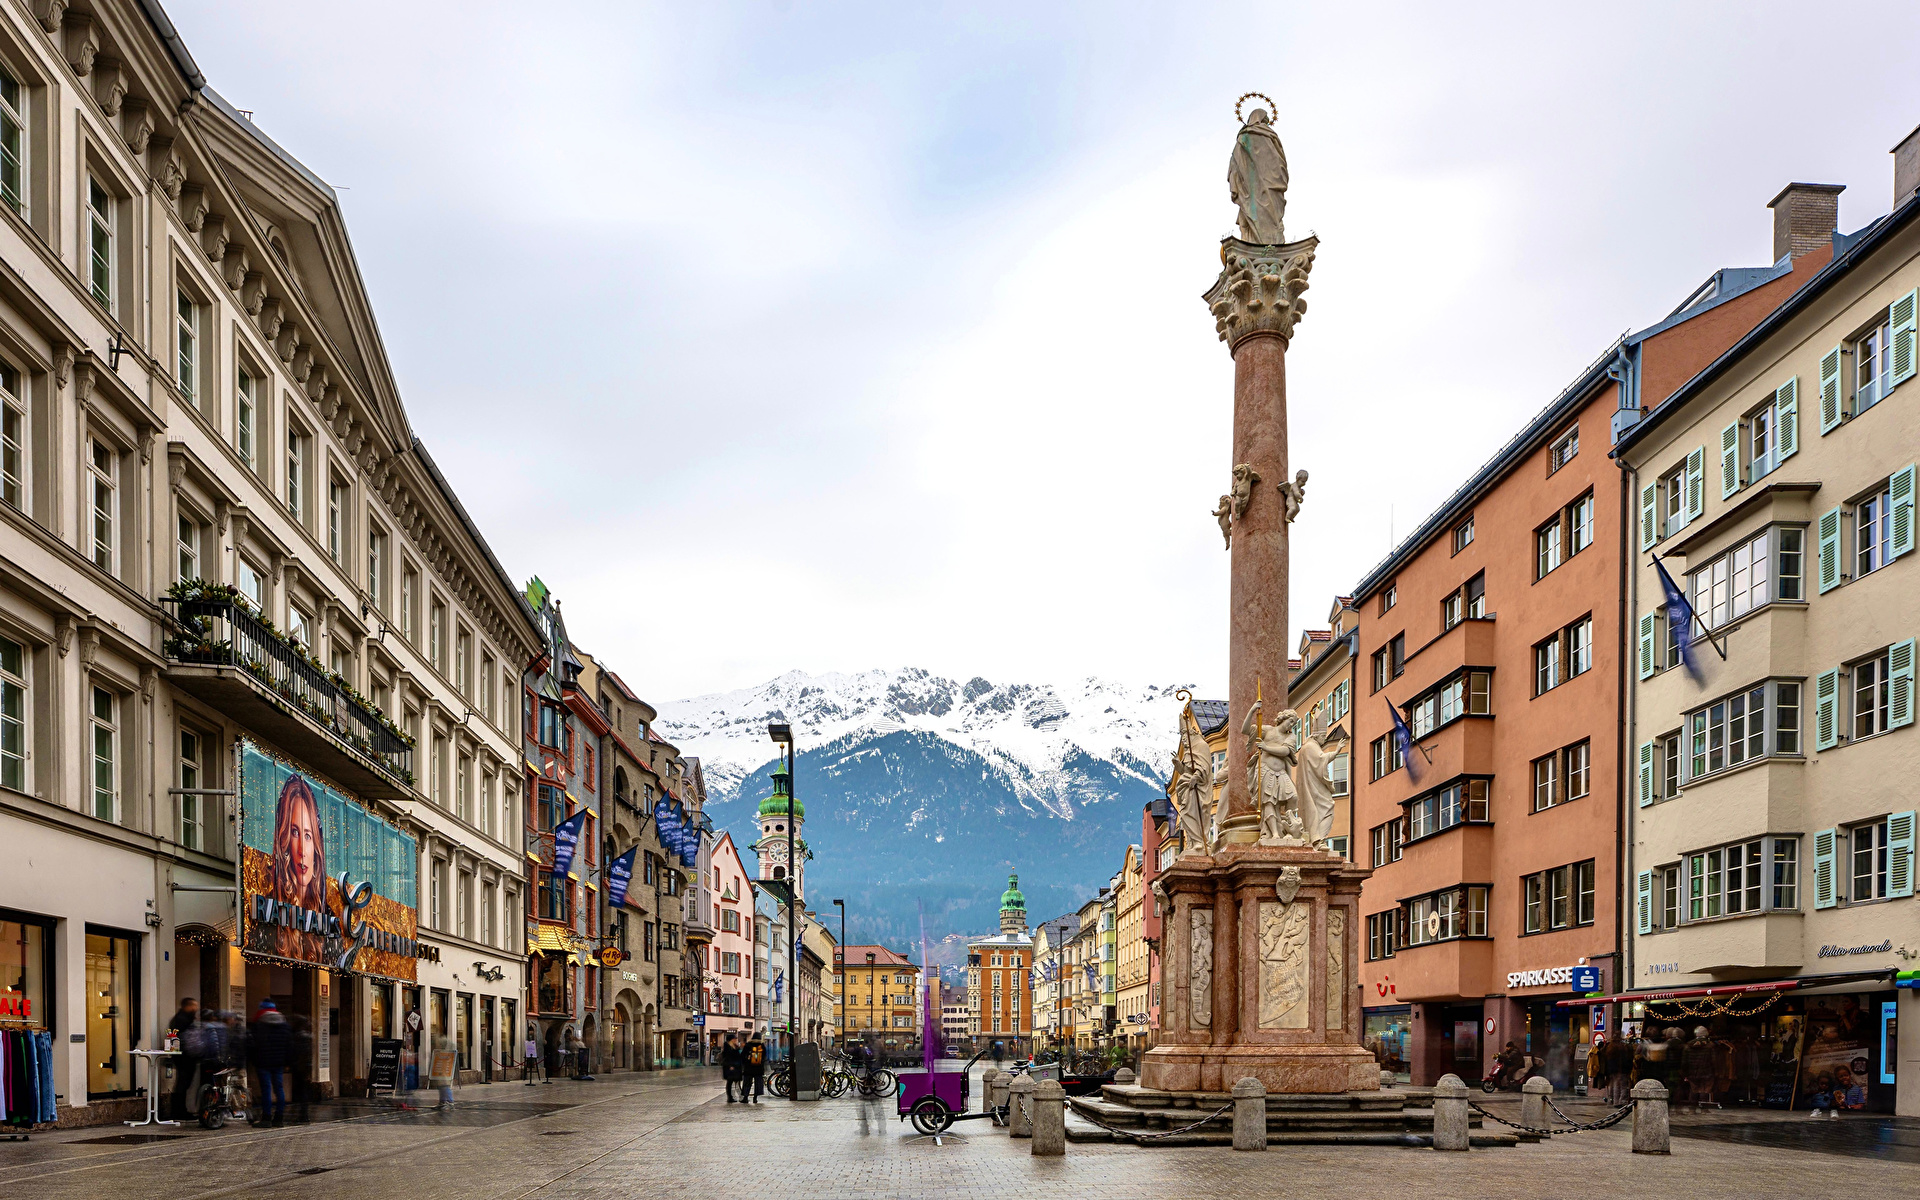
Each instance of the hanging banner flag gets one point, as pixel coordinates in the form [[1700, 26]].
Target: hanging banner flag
[[619, 875], [566, 839]]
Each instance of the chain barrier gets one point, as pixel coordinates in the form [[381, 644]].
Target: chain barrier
[[1137, 1134], [1612, 1118]]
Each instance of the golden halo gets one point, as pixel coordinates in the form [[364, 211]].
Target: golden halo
[[1250, 95]]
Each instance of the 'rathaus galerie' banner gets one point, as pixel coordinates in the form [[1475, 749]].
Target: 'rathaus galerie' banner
[[323, 881]]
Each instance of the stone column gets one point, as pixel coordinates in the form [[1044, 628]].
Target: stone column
[[1249, 1114], [1256, 302], [1533, 1101], [1450, 1114], [1020, 1107], [1049, 1119]]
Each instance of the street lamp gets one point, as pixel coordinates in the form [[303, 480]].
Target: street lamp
[[782, 735], [870, 957], [840, 961]]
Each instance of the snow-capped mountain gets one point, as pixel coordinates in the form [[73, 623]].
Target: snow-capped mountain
[[923, 792]]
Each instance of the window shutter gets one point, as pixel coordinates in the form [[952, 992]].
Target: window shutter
[[1643, 901], [1649, 515], [1830, 413], [1697, 482], [1826, 710], [1900, 854], [1829, 530], [1729, 462], [1646, 774], [1823, 855], [1649, 629], [1900, 493], [1786, 419], [1902, 317], [1900, 684]]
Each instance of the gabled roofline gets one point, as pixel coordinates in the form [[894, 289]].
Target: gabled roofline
[[176, 48]]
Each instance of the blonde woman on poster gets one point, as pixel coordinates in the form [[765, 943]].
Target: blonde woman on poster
[[298, 869]]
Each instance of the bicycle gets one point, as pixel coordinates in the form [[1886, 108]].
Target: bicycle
[[227, 1098]]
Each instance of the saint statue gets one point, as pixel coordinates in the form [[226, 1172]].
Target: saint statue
[[1270, 758], [1193, 790], [1257, 176], [1316, 784]]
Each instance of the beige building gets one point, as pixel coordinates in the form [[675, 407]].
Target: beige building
[[226, 552], [1772, 830], [1320, 689], [1052, 972], [1130, 954]]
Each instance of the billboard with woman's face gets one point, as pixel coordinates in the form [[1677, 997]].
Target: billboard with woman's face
[[324, 881]]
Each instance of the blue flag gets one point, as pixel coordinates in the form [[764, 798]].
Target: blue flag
[[619, 875], [566, 840], [1403, 741], [1679, 618]]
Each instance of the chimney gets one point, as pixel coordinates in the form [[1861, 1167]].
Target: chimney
[[1805, 216], [1906, 169]]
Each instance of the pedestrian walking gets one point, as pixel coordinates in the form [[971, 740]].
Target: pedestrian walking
[[755, 1064], [270, 1043], [733, 1068], [300, 1047], [440, 1069], [1618, 1057], [186, 1068], [999, 1052]]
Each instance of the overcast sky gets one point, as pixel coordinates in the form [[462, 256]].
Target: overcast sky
[[839, 336]]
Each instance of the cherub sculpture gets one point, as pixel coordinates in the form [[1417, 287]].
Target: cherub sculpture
[[1225, 515], [1245, 478], [1294, 494]]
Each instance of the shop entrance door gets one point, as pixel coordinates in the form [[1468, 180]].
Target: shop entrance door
[[486, 1039]]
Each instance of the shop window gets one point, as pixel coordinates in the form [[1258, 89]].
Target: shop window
[[26, 971], [113, 1011]]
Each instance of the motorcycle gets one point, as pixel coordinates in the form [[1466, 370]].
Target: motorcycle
[[227, 1098], [1498, 1079]]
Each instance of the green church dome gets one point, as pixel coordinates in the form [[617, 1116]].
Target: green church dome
[[1011, 898], [776, 804]]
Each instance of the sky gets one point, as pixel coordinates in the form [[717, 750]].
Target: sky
[[839, 336]]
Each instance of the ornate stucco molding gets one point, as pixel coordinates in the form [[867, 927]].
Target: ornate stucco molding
[[1259, 289]]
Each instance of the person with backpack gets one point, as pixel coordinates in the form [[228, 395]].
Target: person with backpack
[[755, 1066], [733, 1068]]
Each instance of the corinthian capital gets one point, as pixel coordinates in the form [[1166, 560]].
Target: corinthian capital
[[1259, 288]]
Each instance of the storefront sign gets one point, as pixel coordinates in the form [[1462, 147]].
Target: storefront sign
[[326, 882], [1584, 979], [1542, 978], [699, 1018], [612, 956], [1843, 951]]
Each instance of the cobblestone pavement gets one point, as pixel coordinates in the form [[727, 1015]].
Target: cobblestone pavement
[[655, 1134]]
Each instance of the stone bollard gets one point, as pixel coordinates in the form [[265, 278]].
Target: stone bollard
[[1387, 1080], [1651, 1133], [987, 1078], [1249, 1114], [1450, 1114], [999, 1089], [1124, 1075], [1049, 1118], [1533, 1102], [1020, 1106]]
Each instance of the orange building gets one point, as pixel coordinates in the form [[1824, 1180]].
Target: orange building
[[1495, 632]]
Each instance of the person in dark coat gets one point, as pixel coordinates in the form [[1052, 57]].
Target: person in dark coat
[[270, 1044], [753, 1058], [1618, 1057], [300, 1058], [187, 1066], [733, 1068]]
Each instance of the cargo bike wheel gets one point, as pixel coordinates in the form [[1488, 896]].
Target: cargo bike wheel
[[931, 1116]]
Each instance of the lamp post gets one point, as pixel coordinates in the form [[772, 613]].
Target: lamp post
[[840, 965], [782, 735], [870, 958]]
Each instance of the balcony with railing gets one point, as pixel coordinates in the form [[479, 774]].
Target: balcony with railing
[[222, 652]]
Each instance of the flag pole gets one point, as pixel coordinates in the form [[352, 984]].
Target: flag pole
[[1692, 612]]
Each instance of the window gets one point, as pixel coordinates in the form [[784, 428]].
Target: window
[[1868, 857], [13, 143], [186, 336], [1787, 583], [1547, 550], [246, 405], [437, 894], [300, 626], [487, 901], [463, 905], [1732, 880], [296, 473], [1454, 913], [1461, 801], [376, 566], [1669, 878], [552, 721], [1871, 696], [1873, 374], [1386, 756], [1337, 773], [1387, 842], [1563, 656], [13, 439], [1733, 730], [1580, 524], [1388, 598], [102, 236], [1761, 437], [1577, 766], [187, 547], [103, 467], [253, 585], [1733, 584], [1546, 782], [463, 788], [13, 714], [1786, 873], [487, 691], [1872, 533], [1557, 899], [1390, 662], [336, 519], [1450, 611], [1564, 450], [437, 635], [106, 755], [1474, 597], [1463, 534], [463, 662], [1562, 776], [409, 595], [192, 821]]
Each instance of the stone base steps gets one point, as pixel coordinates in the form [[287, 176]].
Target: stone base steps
[[1079, 1129], [1125, 1113]]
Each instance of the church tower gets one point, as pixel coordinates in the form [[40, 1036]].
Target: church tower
[[1013, 908], [775, 813]]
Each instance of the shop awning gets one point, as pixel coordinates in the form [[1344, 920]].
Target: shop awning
[[1731, 989], [549, 939]]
